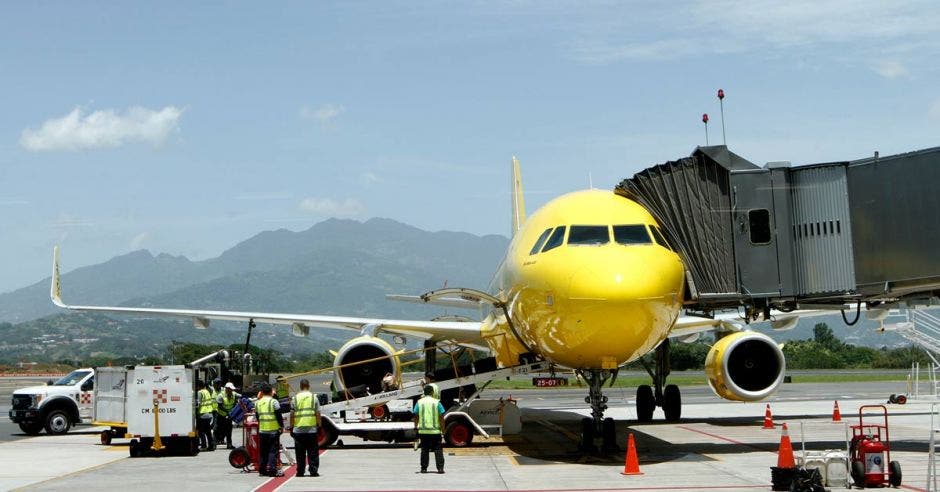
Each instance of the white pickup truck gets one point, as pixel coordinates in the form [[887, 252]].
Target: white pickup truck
[[57, 406]]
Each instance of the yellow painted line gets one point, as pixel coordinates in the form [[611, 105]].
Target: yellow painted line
[[76, 472], [513, 461], [566, 432]]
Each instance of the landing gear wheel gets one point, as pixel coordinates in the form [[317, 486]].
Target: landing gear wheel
[[895, 479], [645, 403], [672, 403], [239, 458], [609, 433], [858, 474], [106, 437], [458, 434], [32, 429], [57, 422], [587, 435]]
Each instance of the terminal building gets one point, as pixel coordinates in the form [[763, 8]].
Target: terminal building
[[829, 235]]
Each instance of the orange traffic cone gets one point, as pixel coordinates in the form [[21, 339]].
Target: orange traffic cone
[[768, 418], [836, 414], [785, 453], [631, 465]]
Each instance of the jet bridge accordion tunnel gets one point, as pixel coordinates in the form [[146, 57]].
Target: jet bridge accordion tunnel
[[816, 236]]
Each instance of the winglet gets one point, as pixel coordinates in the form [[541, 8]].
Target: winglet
[[518, 200], [54, 291]]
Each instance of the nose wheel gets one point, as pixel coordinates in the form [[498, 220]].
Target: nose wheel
[[596, 425]]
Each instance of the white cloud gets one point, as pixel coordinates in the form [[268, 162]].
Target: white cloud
[[369, 178], [139, 240], [103, 129], [890, 69], [323, 114], [934, 110], [327, 207]]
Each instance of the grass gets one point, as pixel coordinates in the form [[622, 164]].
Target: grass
[[699, 379]]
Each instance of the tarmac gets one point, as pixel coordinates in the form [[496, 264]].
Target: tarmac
[[717, 445]]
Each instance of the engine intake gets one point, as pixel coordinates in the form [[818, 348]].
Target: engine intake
[[377, 359], [745, 366]]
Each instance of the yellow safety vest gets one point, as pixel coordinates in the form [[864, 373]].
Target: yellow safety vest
[[428, 416], [205, 402], [215, 395], [305, 410], [267, 422], [227, 403]]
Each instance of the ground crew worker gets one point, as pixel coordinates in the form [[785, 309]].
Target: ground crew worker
[[269, 429], [225, 403], [429, 420], [214, 390], [204, 409], [429, 377], [305, 416]]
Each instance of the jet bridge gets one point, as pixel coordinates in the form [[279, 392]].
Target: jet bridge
[[819, 235]]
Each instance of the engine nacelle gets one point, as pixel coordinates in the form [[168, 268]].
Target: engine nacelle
[[745, 366], [378, 359]]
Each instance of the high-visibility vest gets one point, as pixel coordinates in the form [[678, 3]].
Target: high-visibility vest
[[215, 398], [227, 403], [437, 391], [267, 422], [428, 416], [305, 409], [205, 401]]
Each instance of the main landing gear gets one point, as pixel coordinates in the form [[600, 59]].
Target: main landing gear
[[597, 424], [668, 398]]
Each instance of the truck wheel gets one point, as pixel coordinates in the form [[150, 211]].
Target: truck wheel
[[858, 474], [895, 479], [458, 434], [57, 422], [239, 458], [325, 436], [31, 429], [106, 437]]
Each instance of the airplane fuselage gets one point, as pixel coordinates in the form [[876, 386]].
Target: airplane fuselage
[[589, 284]]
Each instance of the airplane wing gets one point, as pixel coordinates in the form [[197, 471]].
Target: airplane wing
[[689, 328], [460, 332]]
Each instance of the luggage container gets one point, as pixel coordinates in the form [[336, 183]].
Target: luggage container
[[110, 401], [160, 404]]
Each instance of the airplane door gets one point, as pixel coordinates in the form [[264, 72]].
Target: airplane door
[[755, 244]]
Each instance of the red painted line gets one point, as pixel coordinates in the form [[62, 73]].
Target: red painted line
[[706, 487], [907, 487], [275, 483], [727, 439]]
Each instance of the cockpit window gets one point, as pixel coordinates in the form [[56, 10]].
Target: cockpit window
[[540, 242], [631, 234], [588, 235], [555, 240], [660, 238]]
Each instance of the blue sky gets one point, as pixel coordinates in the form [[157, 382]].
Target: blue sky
[[187, 127]]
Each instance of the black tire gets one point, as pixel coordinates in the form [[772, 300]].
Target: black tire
[[458, 434], [134, 448], [57, 421], [193, 446], [239, 458], [672, 403], [858, 474], [895, 479], [901, 399], [609, 433], [326, 436], [106, 437], [31, 429], [645, 403], [587, 435]]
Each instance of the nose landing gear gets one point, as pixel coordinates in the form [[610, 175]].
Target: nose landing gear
[[596, 425]]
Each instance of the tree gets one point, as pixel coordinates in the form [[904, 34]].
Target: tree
[[823, 335]]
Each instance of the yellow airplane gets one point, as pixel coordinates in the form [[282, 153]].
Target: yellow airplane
[[588, 283]]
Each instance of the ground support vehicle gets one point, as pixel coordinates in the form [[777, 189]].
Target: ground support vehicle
[[160, 410], [870, 450], [110, 399], [387, 416], [55, 407]]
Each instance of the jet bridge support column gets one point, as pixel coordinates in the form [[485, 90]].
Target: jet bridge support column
[[430, 357]]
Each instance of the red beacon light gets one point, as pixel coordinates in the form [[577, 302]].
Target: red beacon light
[[721, 94], [705, 118]]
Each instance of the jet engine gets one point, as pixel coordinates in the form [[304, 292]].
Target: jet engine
[[745, 366], [365, 361]]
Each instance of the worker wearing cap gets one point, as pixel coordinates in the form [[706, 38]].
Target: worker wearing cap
[[269, 429], [429, 378], [225, 402], [429, 420], [305, 415], [204, 410]]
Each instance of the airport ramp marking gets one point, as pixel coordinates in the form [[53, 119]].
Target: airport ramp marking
[[727, 439]]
